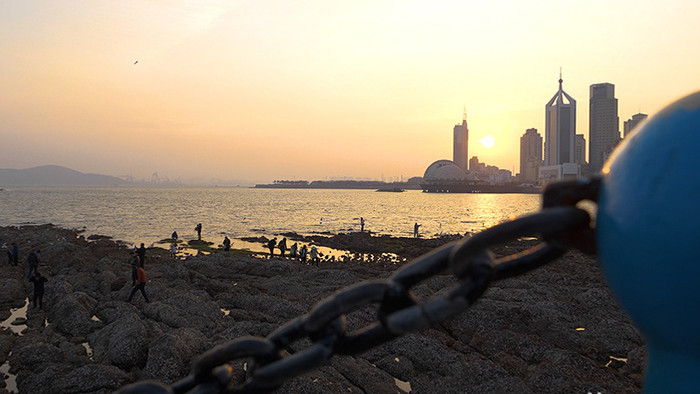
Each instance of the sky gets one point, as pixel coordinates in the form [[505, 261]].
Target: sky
[[256, 91]]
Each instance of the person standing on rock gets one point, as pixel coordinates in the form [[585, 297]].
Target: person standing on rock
[[314, 255], [174, 235], [134, 261], [141, 251], [141, 285], [227, 243], [293, 251], [302, 253], [271, 245], [415, 230], [33, 260], [15, 254], [38, 288], [362, 224], [198, 230], [282, 246]]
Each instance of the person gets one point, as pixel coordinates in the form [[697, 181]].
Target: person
[[198, 229], [227, 243], [141, 285], [174, 235], [271, 245], [415, 230], [15, 254], [9, 256], [282, 246], [134, 261], [293, 250], [302, 253], [141, 251], [33, 260], [362, 224], [173, 250], [38, 288], [314, 255]]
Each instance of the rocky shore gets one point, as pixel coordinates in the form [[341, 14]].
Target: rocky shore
[[554, 330]]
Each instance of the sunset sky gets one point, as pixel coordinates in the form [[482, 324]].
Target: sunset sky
[[263, 90]]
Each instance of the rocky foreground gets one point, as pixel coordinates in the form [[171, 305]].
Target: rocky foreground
[[555, 330]]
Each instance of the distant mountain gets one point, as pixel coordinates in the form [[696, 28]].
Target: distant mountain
[[55, 176]]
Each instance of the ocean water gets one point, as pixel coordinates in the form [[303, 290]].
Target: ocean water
[[140, 214]]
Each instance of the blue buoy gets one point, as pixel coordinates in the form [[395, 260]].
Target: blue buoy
[[648, 233]]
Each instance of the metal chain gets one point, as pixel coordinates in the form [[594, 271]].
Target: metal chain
[[560, 224]]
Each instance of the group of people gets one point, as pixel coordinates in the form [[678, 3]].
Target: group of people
[[33, 275], [138, 274], [302, 253]]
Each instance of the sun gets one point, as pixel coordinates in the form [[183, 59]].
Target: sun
[[487, 142]]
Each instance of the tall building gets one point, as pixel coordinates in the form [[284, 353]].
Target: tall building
[[580, 149], [604, 132], [530, 155], [630, 124], [560, 128], [461, 143]]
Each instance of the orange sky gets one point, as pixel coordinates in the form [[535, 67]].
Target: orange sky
[[264, 90]]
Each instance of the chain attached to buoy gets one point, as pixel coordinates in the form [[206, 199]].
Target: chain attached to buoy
[[560, 224]]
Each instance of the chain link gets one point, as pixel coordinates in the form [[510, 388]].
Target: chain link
[[560, 224]]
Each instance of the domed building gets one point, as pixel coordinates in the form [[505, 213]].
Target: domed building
[[444, 176]]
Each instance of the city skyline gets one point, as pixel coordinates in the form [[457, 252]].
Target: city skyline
[[270, 90]]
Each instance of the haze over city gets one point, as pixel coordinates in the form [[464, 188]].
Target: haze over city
[[256, 91]]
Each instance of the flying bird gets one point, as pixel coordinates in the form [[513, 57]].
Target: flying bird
[[136, 62]]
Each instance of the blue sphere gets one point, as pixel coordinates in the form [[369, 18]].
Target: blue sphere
[[648, 222]]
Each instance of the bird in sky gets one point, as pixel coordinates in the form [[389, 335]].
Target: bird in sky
[[136, 62]]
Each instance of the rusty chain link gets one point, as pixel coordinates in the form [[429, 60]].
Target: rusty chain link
[[560, 224]]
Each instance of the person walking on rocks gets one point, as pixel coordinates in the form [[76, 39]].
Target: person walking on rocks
[[227, 243], [33, 260], [302, 253], [271, 245], [282, 246], [15, 254], [141, 251], [293, 251], [314, 255], [198, 229], [38, 288], [141, 285], [134, 261]]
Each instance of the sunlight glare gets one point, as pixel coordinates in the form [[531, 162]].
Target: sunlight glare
[[487, 142]]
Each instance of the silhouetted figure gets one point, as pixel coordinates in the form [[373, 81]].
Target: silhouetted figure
[[38, 288], [198, 229], [141, 285], [302, 253], [227, 243], [33, 260], [9, 257], [282, 246], [141, 251], [173, 250], [362, 224], [134, 261], [15, 254], [271, 245], [293, 250], [174, 235], [314, 256], [415, 230]]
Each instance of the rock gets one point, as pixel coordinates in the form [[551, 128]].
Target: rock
[[169, 356], [123, 343], [71, 314]]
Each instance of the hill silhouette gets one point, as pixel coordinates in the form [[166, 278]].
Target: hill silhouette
[[52, 175]]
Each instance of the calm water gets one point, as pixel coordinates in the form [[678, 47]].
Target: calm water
[[136, 215]]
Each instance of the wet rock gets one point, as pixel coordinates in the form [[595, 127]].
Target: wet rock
[[71, 314]]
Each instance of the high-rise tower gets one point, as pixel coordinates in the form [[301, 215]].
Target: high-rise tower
[[461, 143], [530, 155], [560, 128], [631, 123], [604, 132]]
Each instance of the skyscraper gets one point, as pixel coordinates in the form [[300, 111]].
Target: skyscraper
[[530, 155], [604, 132], [631, 123], [461, 143], [580, 149], [560, 128]]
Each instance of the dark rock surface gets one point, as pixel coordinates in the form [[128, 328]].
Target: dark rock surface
[[557, 329]]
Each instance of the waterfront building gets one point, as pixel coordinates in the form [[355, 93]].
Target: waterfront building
[[631, 123], [604, 123], [580, 154], [560, 128], [461, 143], [530, 155]]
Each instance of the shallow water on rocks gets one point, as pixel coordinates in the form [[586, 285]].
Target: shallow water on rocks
[[17, 314]]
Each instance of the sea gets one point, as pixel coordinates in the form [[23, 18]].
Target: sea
[[147, 215]]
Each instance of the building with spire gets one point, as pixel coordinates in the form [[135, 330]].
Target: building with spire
[[560, 128], [560, 137], [460, 145], [604, 132]]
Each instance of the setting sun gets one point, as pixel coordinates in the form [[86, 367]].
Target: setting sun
[[487, 142]]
